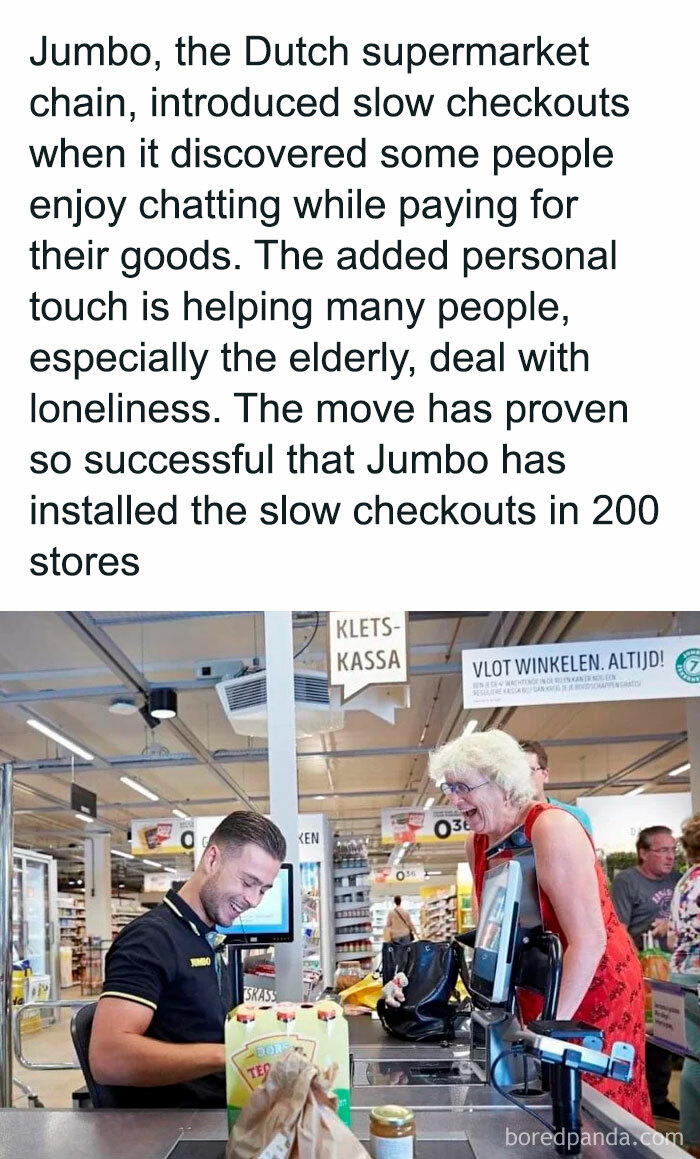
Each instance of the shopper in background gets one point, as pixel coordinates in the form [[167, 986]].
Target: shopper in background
[[642, 894], [399, 927], [539, 768], [487, 776], [159, 1024], [642, 897], [684, 940]]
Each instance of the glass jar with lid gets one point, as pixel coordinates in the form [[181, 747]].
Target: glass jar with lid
[[392, 1133]]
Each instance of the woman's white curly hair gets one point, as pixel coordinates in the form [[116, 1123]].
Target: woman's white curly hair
[[494, 755]]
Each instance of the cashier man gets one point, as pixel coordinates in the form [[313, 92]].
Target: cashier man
[[159, 1024]]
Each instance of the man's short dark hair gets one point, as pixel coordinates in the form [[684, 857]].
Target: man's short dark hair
[[247, 828], [397, 900], [538, 750], [645, 835]]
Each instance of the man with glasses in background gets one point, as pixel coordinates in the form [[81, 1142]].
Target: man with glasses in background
[[642, 897]]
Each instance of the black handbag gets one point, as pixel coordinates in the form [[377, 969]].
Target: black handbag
[[430, 1011]]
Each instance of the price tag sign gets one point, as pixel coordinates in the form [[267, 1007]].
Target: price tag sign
[[668, 1015], [422, 826]]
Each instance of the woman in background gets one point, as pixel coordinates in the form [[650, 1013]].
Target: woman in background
[[399, 927], [488, 778], [684, 941]]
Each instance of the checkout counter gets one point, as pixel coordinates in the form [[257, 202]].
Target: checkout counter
[[459, 1111], [457, 1115]]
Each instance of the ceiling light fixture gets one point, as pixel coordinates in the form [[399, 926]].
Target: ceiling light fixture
[[169, 869], [155, 864], [60, 739], [84, 817], [162, 703], [681, 769], [429, 803], [471, 726], [139, 788], [636, 792], [151, 721], [433, 873], [123, 706], [179, 813], [126, 856], [320, 797]]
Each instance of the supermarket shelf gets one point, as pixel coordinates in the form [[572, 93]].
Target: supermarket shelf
[[349, 957], [351, 905], [342, 938]]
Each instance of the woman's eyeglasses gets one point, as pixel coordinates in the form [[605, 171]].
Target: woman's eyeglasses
[[458, 789]]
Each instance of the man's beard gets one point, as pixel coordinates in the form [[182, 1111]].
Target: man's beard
[[211, 900]]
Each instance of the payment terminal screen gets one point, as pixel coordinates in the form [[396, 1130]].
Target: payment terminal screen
[[488, 935]]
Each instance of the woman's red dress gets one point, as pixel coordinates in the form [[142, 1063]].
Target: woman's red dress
[[614, 1001]]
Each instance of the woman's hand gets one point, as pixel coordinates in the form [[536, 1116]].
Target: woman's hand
[[566, 872]]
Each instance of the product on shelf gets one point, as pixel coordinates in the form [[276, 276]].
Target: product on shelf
[[439, 916], [71, 933], [351, 881], [124, 910]]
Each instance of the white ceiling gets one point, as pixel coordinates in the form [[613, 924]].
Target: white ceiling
[[39, 651]]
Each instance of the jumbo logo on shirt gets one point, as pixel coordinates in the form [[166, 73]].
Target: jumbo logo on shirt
[[200, 961]]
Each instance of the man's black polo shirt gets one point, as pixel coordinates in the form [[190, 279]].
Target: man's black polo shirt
[[163, 960]]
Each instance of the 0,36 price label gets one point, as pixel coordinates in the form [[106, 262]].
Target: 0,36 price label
[[444, 828]]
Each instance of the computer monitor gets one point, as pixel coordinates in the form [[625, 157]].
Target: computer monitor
[[270, 922], [496, 929]]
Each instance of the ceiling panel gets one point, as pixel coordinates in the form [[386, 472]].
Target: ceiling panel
[[354, 788]]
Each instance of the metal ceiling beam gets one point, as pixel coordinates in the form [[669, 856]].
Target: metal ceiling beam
[[170, 665], [161, 617], [565, 786], [62, 807], [300, 619], [82, 624], [259, 755], [655, 755], [196, 684]]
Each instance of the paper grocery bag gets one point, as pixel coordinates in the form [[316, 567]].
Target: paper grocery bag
[[293, 1115]]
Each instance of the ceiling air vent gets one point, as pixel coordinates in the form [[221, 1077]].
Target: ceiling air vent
[[317, 707]]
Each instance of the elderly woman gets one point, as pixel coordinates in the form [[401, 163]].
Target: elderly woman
[[487, 777]]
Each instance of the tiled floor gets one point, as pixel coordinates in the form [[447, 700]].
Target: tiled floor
[[52, 1044]]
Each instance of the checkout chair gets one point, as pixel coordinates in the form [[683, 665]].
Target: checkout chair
[[81, 1031]]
